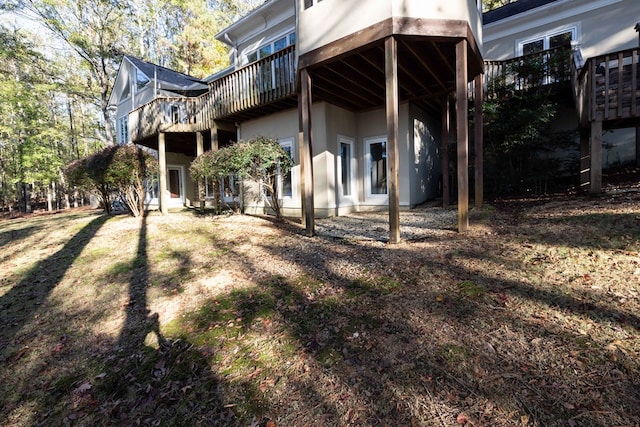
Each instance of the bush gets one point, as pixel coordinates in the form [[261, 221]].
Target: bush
[[115, 172]]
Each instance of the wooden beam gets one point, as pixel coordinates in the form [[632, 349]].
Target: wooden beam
[[446, 123], [462, 134], [478, 141], [392, 107], [306, 152], [162, 165], [596, 157], [214, 137]]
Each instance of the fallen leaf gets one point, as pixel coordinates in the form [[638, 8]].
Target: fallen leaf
[[462, 419], [83, 388], [439, 298]]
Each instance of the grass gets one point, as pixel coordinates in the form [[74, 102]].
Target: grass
[[529, 319]]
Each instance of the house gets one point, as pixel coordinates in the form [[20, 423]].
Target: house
[[603, 37], [137, 84], [364, 95], [358, 102]]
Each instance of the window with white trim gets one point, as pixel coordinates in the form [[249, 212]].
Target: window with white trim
[[285, 181], [547, 41], [376, 166], [346, 167], [123, 130], [273, 46]]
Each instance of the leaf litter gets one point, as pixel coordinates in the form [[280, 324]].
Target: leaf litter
[[529, 319]]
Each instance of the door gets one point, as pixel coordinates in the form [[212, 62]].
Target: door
[[175, 184]]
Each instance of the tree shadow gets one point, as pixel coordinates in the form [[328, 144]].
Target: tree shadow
[[149, 379], [22, 301]]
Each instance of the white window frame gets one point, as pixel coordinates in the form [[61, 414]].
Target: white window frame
[[123, 129], [271, 43], [375, 198], [546, 36], [351, 197], [313, 3], [288, 142]]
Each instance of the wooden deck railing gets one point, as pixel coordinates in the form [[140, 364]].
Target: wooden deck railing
[[176, 114], [267, 80], [608, 87], [262, 82], [535, 70]]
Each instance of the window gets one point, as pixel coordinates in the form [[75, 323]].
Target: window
[[309, 3], [345, 167], [285, 182], [141, 80], [548, 41], [376, 163], [151, 188], [272, 47], [229, 188], [123, 130]]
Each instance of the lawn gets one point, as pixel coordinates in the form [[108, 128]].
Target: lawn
[[529, 319]]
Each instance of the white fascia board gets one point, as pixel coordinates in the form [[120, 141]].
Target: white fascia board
[[542, 15], [269, 14]]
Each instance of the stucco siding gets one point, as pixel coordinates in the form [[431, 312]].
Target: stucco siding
[[426, 168], [324, 22], [601, 27]]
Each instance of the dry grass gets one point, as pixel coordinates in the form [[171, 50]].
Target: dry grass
[[530, 319]]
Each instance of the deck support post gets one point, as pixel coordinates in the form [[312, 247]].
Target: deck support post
[[585, 162], [638, 145], [596, 157], [162, 165], [462, 105], [446, 124], [199, 152], [478, 141], [306, 152], [391, 77], [215, 144]]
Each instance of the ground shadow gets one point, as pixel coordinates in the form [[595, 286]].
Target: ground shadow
[[149, 379], [22, 301]]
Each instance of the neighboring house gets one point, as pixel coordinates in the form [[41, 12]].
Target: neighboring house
[[356, 90], [604, 38]]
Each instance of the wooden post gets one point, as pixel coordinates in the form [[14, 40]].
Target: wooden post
[[201, 184], [638, 145], [391, 74], [306, 152], [462, 105], [478, 142], [214, 137], [162, 165], [596, 157], [446, 123], [585, 162]]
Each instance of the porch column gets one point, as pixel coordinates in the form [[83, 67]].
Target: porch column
[[462, 105], [214, 137], [585, 162], [446, 123], [596, 157], [199, 152], [478, 141], [306, 152], [162, 165], [391, 74]]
